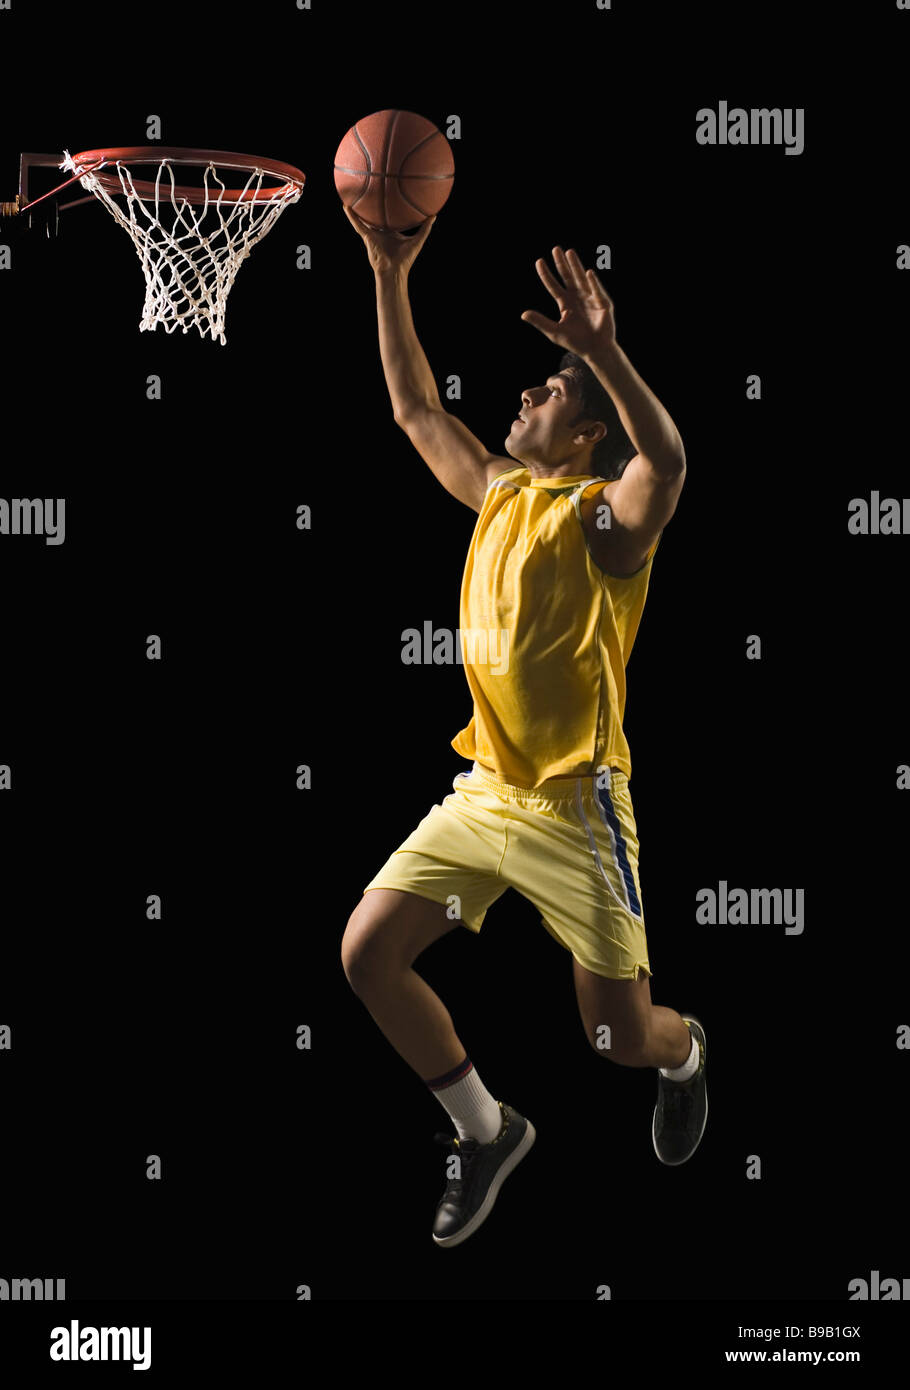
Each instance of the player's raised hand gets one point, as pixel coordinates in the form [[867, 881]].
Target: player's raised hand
[[586, 325], [390, 250]]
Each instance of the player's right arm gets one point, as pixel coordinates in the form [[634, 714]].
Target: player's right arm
[[455, 456]]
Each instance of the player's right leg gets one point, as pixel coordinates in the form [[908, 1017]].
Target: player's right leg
[[385, 934], [454, 855]]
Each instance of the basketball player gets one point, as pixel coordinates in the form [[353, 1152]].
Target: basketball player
[[558, 564]]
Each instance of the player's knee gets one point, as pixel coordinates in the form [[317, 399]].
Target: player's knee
[[355, 954], [364, 950], [626, 1046]]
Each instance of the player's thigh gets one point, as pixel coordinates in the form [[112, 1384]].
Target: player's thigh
[[388, 929]]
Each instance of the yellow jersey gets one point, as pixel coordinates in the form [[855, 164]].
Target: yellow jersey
[[545, 635]]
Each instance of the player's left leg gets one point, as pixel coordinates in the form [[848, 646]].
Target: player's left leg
[[641, 1034]]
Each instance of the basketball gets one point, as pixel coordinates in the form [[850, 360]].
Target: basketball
[[394, 169]]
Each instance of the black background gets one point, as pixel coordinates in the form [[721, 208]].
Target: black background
[[284, 1167]]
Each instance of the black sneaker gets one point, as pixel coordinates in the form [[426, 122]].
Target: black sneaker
[[468, 1199], [681, 1111]]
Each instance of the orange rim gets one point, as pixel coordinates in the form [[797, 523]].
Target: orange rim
[[224, 159]]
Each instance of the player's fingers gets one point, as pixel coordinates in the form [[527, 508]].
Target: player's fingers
[[578, 271], [598, 289], [547, 326], [354, 220], [561, 261], [556, 289], [424, 231]]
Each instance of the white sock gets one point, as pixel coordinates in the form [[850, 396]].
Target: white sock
[[688, 1068], [462, 1094]]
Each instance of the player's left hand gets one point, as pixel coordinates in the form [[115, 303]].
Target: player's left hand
[[586, 325]]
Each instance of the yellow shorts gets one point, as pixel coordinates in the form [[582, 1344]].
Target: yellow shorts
[[569, 846]]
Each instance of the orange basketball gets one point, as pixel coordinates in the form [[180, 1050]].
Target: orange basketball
[[394, 169]]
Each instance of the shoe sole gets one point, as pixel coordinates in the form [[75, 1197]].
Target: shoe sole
[[676, 1163], [486, 1206]]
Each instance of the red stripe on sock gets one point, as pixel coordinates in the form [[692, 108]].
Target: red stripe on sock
[[438, 1083]]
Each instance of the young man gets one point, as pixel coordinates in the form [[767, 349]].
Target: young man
[[558, 569]]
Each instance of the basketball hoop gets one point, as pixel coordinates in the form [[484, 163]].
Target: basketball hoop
[[191, 238]]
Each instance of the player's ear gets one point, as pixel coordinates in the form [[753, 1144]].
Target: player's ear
[[592, 435]]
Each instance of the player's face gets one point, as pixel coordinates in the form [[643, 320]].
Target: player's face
[[544, 432]]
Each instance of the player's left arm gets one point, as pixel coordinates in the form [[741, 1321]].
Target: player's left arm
[[644, 498]]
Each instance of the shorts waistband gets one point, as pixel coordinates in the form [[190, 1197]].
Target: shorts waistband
[[557, 789]]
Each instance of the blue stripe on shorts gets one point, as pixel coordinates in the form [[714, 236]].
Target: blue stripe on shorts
[[603, 796]]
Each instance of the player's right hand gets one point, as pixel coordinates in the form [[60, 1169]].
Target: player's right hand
[[390, 250]]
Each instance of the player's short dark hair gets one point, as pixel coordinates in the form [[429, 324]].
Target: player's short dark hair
[[610, 454]]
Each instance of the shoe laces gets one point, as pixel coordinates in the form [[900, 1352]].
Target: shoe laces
[[465, 1149], [679, 1096], [678, 1100]]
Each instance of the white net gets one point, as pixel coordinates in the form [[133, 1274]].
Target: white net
[[190, 254]]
